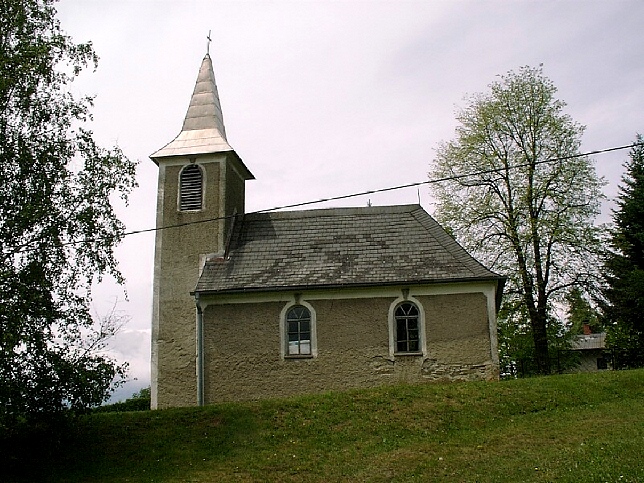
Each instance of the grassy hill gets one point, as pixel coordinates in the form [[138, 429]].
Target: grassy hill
[[567, 428]]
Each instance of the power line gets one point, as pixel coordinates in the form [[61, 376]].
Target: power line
[[362, 193], [448, 178]]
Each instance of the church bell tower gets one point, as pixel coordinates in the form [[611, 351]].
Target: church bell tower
[[200, 189]]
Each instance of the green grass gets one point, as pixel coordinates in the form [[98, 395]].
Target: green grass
[[567, 428]]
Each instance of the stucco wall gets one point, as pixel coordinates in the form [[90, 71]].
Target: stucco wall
[[458, 338], [588, 361], [243, 358]]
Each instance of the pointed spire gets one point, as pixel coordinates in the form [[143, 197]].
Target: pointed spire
[[205, 109], [203, 130]]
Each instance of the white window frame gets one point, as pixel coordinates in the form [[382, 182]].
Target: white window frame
[[422, 342], [284, 331]]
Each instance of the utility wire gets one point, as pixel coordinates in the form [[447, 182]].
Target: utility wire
[[393, 188], [448, 178], [363, 193]]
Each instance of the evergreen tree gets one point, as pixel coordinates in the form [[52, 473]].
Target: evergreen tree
[[623, 304], [581, 312]]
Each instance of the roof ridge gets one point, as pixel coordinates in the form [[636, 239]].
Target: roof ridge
[[340, 211]]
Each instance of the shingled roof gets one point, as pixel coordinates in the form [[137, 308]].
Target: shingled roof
[[343, 247]]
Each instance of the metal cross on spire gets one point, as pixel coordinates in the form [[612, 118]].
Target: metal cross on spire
[[209, 40]]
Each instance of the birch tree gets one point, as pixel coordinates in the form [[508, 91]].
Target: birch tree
[[521, 198], [58, 228]]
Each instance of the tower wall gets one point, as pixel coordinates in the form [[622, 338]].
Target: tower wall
[[183, 238]]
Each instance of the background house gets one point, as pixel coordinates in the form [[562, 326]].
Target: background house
[[591, 349]]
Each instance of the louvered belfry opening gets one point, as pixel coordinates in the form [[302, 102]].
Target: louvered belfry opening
[[191, 188]]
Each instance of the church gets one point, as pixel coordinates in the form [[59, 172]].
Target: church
[[264, 305]]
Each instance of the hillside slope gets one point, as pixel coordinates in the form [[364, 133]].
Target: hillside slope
[[567, 428]]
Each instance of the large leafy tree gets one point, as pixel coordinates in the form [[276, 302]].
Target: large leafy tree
[[518, 194], [623, 303], [58, 228]]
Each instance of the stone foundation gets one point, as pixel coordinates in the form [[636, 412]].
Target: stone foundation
[[433, 370]]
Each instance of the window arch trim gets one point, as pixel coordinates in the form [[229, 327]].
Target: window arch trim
[[420, 327], [284, 332]]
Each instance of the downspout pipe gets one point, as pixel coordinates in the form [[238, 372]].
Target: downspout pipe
[[200, 357]]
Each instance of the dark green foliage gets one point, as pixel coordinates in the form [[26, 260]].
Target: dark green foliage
[[138, 402], [516, 346], [57, 225], [581, 312], [623, 304]]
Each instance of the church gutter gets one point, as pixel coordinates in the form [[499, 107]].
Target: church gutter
[[199, 353]]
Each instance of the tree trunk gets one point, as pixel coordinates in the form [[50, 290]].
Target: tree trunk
[[538, 322], [538, 317], [537, 313]]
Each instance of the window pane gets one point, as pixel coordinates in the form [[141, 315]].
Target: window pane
[[298, 328], [401, 330], [293, 348], [298, 313], [305, 347], [407, 328]]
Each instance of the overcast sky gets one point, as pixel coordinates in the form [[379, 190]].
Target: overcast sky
[[326, 98]]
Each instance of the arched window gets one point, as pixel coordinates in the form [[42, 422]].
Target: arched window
[[299, 341], [407, 328], [191, 188]]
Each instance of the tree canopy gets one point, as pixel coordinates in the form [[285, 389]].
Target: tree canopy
[[519, 195], [623, 302], [58, 228]]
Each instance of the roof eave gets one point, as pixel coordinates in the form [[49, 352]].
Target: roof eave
[[239, 163], [297, 288]]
